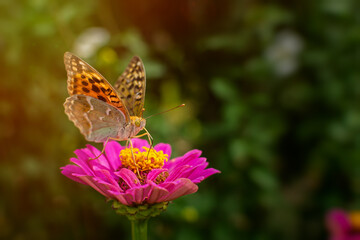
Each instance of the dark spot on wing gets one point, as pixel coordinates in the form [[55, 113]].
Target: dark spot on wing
[[95, 88], [101, 98], [105, 91], [137, 88], [85, 83], [85, 90], [96, 80]]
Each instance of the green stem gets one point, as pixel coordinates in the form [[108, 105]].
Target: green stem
[[139, 229]]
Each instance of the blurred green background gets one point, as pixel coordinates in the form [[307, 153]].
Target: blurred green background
[[273, 99]]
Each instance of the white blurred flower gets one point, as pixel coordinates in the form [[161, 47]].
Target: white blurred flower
[[90, 41], [283, 52]]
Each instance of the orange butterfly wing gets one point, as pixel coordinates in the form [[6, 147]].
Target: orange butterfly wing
[[131, 87], [85, 80]]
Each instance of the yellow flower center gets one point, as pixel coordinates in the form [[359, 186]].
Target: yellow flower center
[[142, 161]]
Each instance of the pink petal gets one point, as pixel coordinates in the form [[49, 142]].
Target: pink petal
[[70, 169], [177, 173], [107, 177], [198, 177], [138, 194], [83, 154], [98, 187], [166, 148], [153, 174], [198, 173], [149, 193], [156, 193], [84, 165], [129, 177], [193, 158], [112, 152], [128, 198], [178, 188], [106, 187], [120, 197], [184, 160], [139, 143], [99, 159], [93, 150]]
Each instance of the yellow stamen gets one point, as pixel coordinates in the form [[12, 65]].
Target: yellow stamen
[[145, 160]]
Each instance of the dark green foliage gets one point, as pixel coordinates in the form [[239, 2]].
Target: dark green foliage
[[273, 99]]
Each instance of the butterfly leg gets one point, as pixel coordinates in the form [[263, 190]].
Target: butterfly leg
[[139, 136], [103, 150], [151, 141], [150, 138], [105, 143], [133, 157]]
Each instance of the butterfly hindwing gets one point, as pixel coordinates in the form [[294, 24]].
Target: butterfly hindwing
[[85, 80], [96, 119], [131, 87]]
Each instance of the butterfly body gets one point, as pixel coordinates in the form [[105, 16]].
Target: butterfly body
[[99, 110]]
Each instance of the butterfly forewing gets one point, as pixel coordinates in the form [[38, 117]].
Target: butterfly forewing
[[131, 87], [96, 119], [85, 80]]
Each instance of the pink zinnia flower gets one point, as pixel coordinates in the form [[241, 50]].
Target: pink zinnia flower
[[154, 178], [343, 225]]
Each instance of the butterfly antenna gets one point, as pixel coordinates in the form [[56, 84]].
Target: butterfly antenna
[[181, 105]]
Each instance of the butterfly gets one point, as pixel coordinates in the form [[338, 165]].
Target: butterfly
[[99, 110]]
